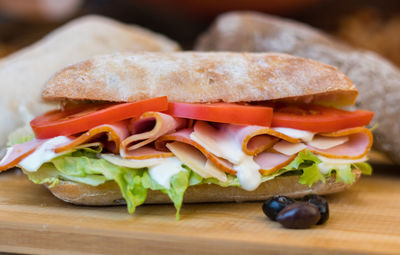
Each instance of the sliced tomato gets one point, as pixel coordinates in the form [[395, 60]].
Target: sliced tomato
[[318, 118], [223, 112], [73, 120]]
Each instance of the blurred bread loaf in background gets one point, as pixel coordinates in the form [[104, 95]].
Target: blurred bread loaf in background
[[24, 73], [377, 79]]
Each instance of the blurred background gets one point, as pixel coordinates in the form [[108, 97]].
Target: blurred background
[[369, 24]]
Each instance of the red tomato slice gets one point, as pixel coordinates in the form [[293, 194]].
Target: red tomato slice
[[78, 119], [223, 112], [319, 119]]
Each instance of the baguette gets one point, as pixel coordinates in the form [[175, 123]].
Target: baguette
[[110, 194], [200, 77]]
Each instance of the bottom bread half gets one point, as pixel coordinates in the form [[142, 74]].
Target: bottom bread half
[[109, 192]]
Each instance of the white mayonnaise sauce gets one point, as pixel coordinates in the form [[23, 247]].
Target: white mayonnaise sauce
[[248, 174], [163, 172], [132, 163], [306, 136], [336, 163], [43, 153], [325, 167]]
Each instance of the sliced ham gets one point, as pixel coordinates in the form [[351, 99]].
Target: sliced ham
[[358, 144], [271, 162], [115, 132], [219, 141], [18, 152], [251, 139], [133, 163], [347, 144], [325, 142], [146, 129], [183, 136], [194, 159], [301, 135], [289, 149], [255, 139], [146, 152]]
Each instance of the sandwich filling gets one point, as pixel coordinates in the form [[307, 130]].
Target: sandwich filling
[[171, 146]]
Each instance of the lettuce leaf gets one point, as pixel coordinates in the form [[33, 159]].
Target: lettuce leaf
[[308, 163], [85, 166], [364, 167], [304, 159], [50, 175], [344, 174], [311, 175], [47, 173], [82, 166], [129, 180], [178, 185]]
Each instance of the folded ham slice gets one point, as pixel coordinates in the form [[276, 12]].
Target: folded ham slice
[[183, 136], [357, 146], [255, 139], [271, 162], [146, 129], [353, 143], [115, 132], [194, 159], [18, 152], [146, 152]]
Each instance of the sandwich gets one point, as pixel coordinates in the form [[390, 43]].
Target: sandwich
[[194, 127]]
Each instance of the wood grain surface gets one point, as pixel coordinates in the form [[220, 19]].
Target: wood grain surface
[[364, 219]]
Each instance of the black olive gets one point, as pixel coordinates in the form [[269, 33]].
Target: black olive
[[322, 205], [273, 205], [299, 215]]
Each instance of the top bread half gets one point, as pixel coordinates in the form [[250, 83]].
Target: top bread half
[[201, 77]]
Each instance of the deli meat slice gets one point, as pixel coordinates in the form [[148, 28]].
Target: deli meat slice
[[251, 139], [183, 136], [146, 152], [18, 152], [255, 139], [146, 129], [357, 146], [270, 162], [351, 143], [218, 140], [194, 159], [115, 133]]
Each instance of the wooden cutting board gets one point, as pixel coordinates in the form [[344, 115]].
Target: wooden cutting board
[[365, 219]]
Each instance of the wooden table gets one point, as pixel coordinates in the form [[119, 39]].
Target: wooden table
[[365, 219]]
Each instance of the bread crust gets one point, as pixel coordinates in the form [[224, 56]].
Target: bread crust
[[200, 77], [109, 192]]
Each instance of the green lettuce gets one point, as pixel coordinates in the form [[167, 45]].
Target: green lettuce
[[306, 162], [129, 180], [85, 166], [364, 167], [178, 185]]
